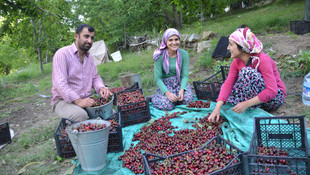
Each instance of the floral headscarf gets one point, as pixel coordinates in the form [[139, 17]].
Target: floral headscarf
[[163, 50], [248, 41]]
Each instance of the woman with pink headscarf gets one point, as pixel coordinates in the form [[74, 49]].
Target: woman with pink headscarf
[[171, 69], [253, 79]]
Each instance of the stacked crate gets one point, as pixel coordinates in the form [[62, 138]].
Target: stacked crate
[[279, 146], [135, 109]]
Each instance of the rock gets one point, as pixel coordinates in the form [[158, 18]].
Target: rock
[[191, 45], [207, 35], [204, 45], [193, 38], [184, 37]]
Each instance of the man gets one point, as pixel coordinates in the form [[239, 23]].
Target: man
[[74, 76]]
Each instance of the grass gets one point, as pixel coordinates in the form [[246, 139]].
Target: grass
[[38, 145], [35, 145]]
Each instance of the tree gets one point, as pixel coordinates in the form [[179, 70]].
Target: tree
[[34, 25]]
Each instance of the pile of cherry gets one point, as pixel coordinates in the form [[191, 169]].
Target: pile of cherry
[[126, 98], [114, 124], [84, 127], [202, 161], [199, 104], [114, 90], [272, 151], [160, 138], [100, 101]]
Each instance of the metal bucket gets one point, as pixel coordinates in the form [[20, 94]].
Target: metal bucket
[[91, 146], [104, 111]]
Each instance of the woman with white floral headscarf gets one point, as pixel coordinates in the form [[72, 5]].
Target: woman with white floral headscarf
[[171, 69], [253, 79]]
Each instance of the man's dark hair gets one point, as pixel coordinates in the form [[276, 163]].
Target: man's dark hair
[[242, 26], [82, 26]]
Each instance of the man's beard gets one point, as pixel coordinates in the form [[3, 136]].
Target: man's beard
[[85, 47]]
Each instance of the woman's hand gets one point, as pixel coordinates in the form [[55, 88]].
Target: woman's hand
[[216, 114], [241, 107], [171, 96], [181, 95]]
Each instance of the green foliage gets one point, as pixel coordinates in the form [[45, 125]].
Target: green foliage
[[294, 66], [11, 58], [218, 64]]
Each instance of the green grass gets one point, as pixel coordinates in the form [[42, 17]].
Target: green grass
[[271, 18], [35, 145], [131, 63]]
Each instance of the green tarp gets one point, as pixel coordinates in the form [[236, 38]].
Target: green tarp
[[239, 132]]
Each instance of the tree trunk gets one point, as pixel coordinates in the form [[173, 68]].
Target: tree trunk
[[38, 40], [8, 69], [176, 16], [202, 12], [125, 37], [168, 16], [181, 19], [47, 57], [307, 10]]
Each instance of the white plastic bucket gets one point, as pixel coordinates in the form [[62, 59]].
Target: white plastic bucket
[[91, 146], [116, 56], [103, 111]]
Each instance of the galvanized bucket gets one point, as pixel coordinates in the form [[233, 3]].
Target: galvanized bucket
[[104, 111], [91, 146]]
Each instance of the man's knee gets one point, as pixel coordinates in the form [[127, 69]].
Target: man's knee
[[71, 111], [80, 115]]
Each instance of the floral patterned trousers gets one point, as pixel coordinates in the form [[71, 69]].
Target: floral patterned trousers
[[160, 101], [248, 85]]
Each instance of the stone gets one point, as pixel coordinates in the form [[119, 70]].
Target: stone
[[206, 35], [193, 38], [203, 46]]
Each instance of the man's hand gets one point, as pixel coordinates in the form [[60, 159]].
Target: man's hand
[[84, 102], [181, 95], [240, 107], [105, 92], [171, 96]]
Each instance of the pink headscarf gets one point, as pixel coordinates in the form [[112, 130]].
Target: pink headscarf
[[248, 41], [163, 50]]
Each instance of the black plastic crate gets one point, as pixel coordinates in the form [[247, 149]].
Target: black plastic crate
[[5, 135], [134, 113], [150, 160], [63, 143], [115, 143], [300, 27], [284, 134], [209, 88]]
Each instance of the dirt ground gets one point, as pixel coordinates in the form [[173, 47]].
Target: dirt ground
[[37, 111]]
